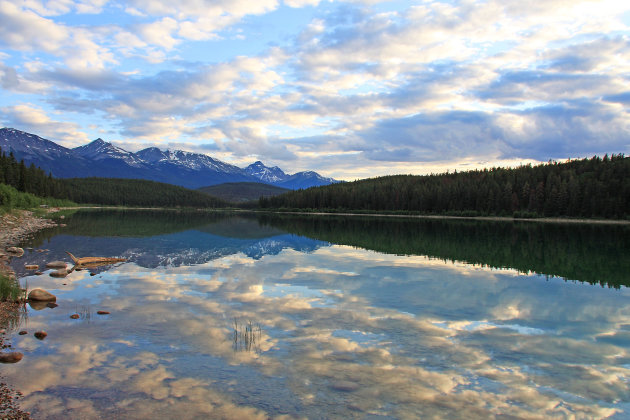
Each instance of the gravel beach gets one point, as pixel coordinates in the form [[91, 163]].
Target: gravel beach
[[14, 228]]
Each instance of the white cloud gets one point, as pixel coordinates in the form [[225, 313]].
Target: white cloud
[[35, 120], [27, 31], [301, 3], [344, 85]]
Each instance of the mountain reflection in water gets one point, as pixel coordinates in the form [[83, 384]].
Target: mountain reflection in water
[[353, 318]]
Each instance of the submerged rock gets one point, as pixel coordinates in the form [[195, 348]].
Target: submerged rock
[[56, 264], [344, 386], [12, 357], [59, 273], [40, 335], [23, 332], [75, 316], [102, 312], [31, 266], [41, 295]]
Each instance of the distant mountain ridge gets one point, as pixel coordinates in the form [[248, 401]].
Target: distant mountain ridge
[[187, 169]]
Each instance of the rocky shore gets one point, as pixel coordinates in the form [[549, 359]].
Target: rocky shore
[[14, 228]]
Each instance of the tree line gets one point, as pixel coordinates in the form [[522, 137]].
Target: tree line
[[29, 179], [595, 187]]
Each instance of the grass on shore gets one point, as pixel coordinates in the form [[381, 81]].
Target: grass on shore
[[11, 199], [10, 289]]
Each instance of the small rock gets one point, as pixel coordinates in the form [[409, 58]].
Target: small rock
[[51, 305], [38, 273], [59, 273], [31, 266], [102, 312], [13, 357], [41, 295], [40, 335], [92, 274], [63, 225], [56, 264], [75, 316], [23, 332], [344, 386], [16, 251]]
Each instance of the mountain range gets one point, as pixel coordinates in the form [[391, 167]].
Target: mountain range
[[102, 159]]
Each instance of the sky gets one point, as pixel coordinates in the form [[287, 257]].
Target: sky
[[350, 89]]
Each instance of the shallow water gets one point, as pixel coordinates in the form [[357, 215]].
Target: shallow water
[[244, 317]]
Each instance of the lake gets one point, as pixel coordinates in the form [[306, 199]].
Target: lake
[[236, 315]]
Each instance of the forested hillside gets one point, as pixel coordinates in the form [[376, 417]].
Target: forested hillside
[[238, 192], [29, 179], [596, 187], [136, 192]]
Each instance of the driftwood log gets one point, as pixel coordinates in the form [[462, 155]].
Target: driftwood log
[[93, 261]]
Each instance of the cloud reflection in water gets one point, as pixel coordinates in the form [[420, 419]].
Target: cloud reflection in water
[[344, 333]]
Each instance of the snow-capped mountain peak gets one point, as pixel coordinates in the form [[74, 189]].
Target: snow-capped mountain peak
[[265, 173], [188, 160], [29, 146], [99, 149], [151, 155], [100, 158]]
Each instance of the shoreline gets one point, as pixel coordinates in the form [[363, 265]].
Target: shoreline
[[446, 217], [351, 214], [14, 228]]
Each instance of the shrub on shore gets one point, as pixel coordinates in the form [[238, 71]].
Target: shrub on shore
[[10, 199]]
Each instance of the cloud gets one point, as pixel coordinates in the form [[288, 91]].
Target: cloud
[[622, 98], [431, 137], [25, 30], [35, 120], [577, 129], [196, 20], [347, 86]]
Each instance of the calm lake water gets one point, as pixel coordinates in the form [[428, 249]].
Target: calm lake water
[[245, 316]]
